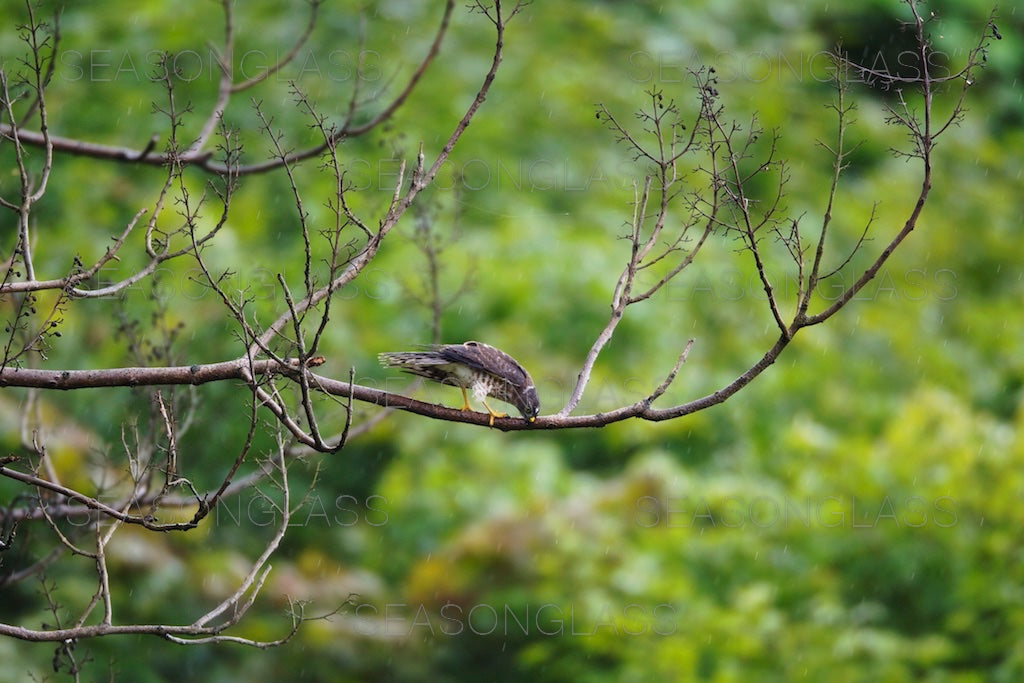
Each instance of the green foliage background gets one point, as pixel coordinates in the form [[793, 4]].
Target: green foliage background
[[855, 514]]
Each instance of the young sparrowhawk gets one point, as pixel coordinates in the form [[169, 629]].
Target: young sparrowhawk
[[481, 368]]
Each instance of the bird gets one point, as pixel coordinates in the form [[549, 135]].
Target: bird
[[482, 368]]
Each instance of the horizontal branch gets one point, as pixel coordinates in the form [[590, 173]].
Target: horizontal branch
[[138, 376], [245, 371], [96, 630]]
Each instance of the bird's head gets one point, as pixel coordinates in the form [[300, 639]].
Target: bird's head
[[528, 403]]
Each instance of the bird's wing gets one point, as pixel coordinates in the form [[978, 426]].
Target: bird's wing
[[486, 358]]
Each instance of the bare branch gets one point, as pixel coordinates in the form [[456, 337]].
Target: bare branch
[[203, 159], [421, 177]]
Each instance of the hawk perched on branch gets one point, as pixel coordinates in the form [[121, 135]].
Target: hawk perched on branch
[[485, 370]]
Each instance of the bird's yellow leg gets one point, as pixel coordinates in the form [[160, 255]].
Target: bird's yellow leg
[[493, 414], [465, 399]]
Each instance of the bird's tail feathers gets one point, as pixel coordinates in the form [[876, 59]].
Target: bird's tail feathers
[[405, 359]]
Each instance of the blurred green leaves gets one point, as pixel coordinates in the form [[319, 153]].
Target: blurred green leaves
[[854, 514]]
